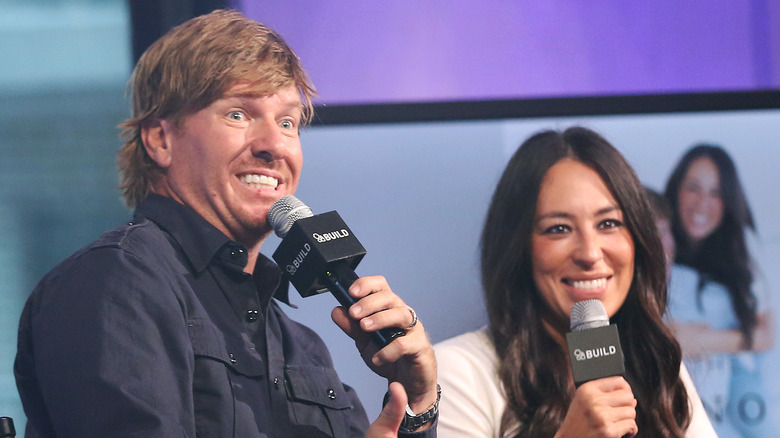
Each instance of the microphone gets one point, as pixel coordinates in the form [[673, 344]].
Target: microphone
[[7, 427], [594, 344], [319, 253]]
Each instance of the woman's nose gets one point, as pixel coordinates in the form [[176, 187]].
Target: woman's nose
[[588, 250]]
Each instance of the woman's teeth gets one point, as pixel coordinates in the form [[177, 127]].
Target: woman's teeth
[[259, 181], [589, 284]]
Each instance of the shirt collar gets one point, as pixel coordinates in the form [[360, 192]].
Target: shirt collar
[[201, 242]]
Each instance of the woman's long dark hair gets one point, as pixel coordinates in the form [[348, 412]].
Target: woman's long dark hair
[[533, 368], [722, 256]]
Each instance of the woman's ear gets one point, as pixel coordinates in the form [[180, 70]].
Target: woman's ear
[[154, 134]]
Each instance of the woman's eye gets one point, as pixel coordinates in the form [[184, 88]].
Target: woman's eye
[[556, 229], [611, 223], [691, 188]]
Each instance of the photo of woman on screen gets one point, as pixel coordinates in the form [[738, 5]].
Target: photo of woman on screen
[[720, 313]]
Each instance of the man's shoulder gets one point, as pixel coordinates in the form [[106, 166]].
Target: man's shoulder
[[126, 263], [135, 235], [142, 240], [141, 237]]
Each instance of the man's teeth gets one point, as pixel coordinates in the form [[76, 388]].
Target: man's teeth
[[259, 181], [589, 284]]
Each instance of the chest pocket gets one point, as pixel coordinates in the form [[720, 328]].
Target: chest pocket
[[318, 399], [208, 342], [219, 370]]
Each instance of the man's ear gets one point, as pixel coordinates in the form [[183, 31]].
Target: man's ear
[[154, 134]]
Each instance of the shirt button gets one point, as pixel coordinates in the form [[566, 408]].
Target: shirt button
[[232, 358], [276, 381], [236, 253], [252, 315], [331, 394]]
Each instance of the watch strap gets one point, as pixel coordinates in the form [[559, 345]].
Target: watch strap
[[412, 421]]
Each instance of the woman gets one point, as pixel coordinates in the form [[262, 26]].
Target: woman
[[712, 227], [568, 221], [695, 306]]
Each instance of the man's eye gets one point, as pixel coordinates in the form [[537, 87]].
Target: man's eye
[[236, 115], [287, 124]]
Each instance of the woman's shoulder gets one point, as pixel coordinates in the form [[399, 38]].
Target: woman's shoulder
[[475, 343], [466, 357], [472, 401]]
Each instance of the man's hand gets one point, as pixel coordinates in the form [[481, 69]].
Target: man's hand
[[386, 425], [408, 359]]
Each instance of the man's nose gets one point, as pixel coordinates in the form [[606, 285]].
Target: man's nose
[[267, 141]]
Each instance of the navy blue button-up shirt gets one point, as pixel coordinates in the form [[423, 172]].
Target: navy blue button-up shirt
[[154, 330]]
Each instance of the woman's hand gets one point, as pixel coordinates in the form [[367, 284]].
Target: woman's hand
[[604, 408]]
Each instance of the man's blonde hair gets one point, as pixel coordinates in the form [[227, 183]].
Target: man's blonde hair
[[190, 67]]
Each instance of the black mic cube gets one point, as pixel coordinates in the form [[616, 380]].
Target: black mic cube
[[595, 353], [311, 246]]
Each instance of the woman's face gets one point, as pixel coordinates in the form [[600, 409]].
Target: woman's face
[[699, 202], [581, 248]]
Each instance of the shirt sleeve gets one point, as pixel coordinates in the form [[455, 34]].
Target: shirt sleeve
[[111, 351], [471, 400]]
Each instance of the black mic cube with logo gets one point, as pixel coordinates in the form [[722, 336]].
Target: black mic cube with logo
[[312, 245], [595, 353]]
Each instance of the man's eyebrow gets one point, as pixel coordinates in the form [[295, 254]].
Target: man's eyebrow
[[245, 96]]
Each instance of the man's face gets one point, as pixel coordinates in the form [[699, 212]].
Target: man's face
[[231, 160]]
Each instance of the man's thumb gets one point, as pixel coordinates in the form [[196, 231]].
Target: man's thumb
[[389, 420]]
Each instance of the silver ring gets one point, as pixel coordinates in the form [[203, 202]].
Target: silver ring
[[414, 318]]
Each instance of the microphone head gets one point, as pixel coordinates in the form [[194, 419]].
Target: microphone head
[[284, 212], [588, 314]]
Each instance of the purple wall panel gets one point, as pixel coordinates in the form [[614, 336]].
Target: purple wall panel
[[371, 51]]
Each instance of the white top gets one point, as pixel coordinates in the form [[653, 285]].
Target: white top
[[472, 401]]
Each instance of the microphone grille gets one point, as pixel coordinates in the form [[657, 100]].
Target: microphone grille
[[588, 314], [284, 212]]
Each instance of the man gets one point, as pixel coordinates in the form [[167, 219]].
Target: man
[[165, 326]]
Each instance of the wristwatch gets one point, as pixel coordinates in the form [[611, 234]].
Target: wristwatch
[[412, 421]]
